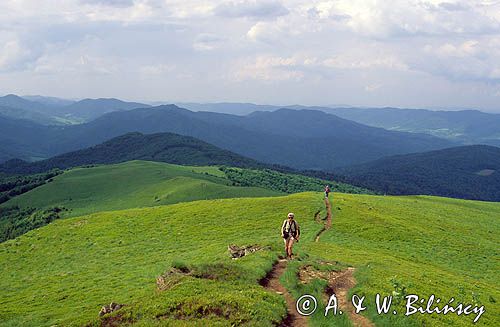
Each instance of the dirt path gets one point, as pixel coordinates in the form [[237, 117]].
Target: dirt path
[[272, 283], [340, 283], [328, 222]]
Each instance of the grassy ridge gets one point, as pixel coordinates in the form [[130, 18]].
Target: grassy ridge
[[431, 245], [130, 185], [64, 272]]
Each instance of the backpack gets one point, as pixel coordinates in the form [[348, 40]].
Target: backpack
[[294, 231]]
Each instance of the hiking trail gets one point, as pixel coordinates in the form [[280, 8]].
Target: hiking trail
[[272, 282], [339, 282], [328, 222]]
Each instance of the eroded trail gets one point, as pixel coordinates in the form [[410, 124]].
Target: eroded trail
[[340, 283], [328, 222], [272, 283]]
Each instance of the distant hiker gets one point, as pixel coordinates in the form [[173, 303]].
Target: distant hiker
[[290, 231], [327, 191]]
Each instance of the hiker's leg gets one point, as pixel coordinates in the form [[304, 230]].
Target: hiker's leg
[[290, 246], [286, 247]]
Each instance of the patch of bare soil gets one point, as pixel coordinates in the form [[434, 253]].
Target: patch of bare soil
[[339, 283], [236, 252], [114, 321], [328, 222], [272, 283]]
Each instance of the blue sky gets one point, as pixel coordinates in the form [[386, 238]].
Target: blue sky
[[414, 53]]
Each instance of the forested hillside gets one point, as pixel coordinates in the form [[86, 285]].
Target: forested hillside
[[469, 172]]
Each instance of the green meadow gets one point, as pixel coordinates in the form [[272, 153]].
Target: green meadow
[[62, 274], [418, 245], [132, 184]]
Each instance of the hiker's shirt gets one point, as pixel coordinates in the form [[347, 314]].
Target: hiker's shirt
[[290, 228]]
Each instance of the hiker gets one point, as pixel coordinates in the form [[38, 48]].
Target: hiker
[[290, 232], [327, 191]]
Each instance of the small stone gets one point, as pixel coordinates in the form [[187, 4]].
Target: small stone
[[110, 308]]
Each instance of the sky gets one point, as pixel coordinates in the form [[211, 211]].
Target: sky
[[411, 53]]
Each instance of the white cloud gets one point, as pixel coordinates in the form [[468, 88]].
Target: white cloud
[[207, 42], [372, 87], [360, 61], [477, 59], [13, 55], [367, 47], [251, 8], [111, 3], [300, 66], [263, 31], [270, 68]]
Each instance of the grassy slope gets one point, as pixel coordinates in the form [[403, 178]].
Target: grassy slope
[[130, 185], [433, 245], [63, 272]]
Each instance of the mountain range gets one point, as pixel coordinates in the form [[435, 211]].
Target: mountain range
[[468, 172], [462, 126], [55, 111], [161, 147], [465, 126], [302, 139]]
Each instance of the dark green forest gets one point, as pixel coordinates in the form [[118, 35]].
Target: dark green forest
[[161, 147], [467, 172], [286, 182], [15, 221], [11, 186]]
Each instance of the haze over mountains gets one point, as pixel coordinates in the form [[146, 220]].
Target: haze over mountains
[[467, 172], [55, 111], [301, 139], [161, 147], [463, 126], [346, 142]]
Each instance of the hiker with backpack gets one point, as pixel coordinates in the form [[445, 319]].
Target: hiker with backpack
[[327, 191], [290, 231]]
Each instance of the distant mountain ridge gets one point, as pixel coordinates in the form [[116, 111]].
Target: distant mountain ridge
[[302, 139], [88, 109], [161, 147], [55, 111], [463, 126], [50, 101], [468, 172]]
